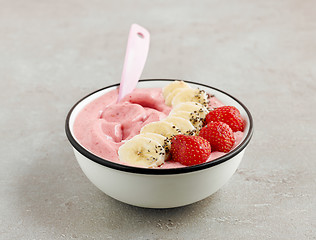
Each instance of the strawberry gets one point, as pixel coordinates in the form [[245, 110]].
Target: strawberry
[[220, 136], [189, 150], [227, 114]]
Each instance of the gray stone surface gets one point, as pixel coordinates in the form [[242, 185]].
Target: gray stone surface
[[54, 52]]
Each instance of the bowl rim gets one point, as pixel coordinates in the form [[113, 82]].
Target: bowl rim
[[158, 171]]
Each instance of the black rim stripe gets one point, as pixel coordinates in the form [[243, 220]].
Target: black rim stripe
[[158, 171]]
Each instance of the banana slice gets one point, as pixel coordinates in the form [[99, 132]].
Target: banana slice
[[163, 141], [162, 127], [184, 125], [170, 97], [142, 152], [172, 86], [192, 107], [190, 95], [194, 118], [155, 136]]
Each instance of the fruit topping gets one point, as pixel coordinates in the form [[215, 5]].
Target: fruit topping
[[189, 150], [190, 95], [227, 114], [142, 151], [181, 136], [220, 136], [167, 90]]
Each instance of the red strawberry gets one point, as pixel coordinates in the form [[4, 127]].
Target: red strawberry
[[227, 114], [220, 136], [189, 150]]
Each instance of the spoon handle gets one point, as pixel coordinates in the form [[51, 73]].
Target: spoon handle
[[135, 58]]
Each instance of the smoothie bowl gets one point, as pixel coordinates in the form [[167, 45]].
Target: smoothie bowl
[[162, 183]]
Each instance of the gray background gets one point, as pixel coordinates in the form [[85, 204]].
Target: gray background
[[54, 52]]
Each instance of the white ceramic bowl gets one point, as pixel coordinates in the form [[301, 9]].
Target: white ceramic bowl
[[159, 188]]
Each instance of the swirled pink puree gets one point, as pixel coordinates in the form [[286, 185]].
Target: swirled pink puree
[[104, 125]]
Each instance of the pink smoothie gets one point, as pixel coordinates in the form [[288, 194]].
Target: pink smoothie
[[104, 125]]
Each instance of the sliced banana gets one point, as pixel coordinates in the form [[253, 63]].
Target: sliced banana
[[155, 136], [142, 152], [172, 86], [170, 97], [192, 107], [162, 127], [184, 125], [194, 118], [190, 95], [163, 141]]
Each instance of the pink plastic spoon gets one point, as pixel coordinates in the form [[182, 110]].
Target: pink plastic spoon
[[135, 58]]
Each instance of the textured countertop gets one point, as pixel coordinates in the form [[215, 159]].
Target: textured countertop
[[54, 52]]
